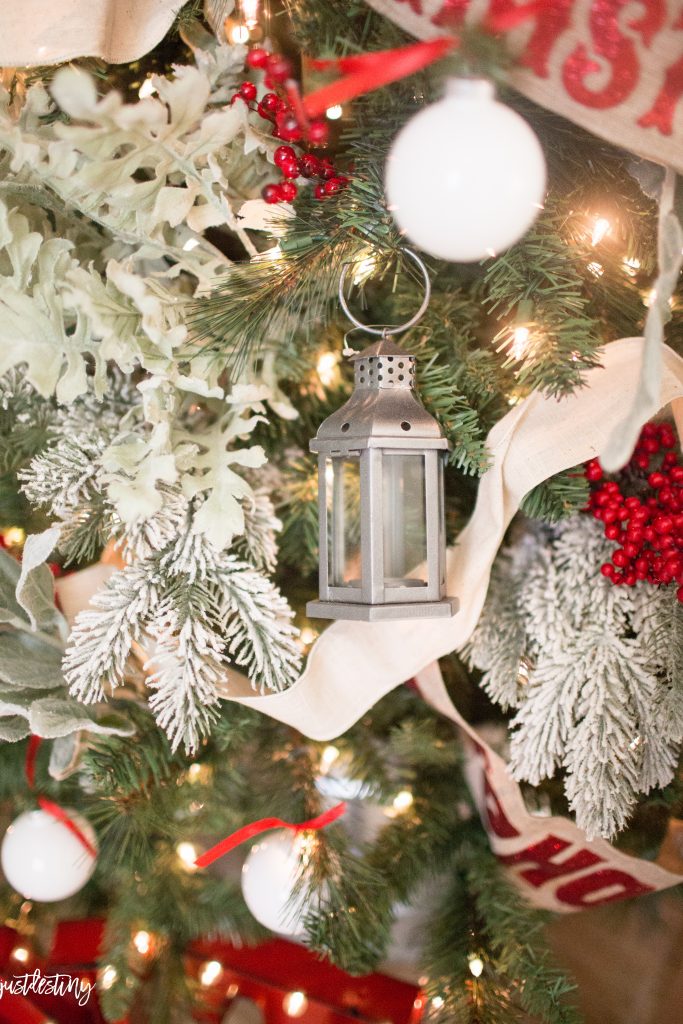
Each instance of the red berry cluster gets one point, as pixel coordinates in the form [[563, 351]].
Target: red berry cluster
[[276, 109], [648, 522]]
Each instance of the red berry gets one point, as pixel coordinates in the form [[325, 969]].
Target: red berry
[[612, 487], [290, 169], [641, 461], [236, 96], [620, 558], [327, 168], [679, 594], [656, 480], [318, 133], [607, 569], [631, 549], [663, 524], [670, 459], [649, 430], [288, 190], [609, 514], [289, 129], [612, 531], [283, 154], [279, 68], [650, 445], [257, 58], [272, 193], [269, 102], [309, 165], [248, 91], [319, 191], [630, 579], [676, 474], [594, 473], [632, 503], [332, 186]]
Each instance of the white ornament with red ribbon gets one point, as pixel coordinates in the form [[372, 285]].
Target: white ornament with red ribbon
[[45, 859]]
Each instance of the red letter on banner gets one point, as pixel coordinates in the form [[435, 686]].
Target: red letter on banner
[[576, 892], [451, 13], [542, 855], [550, 21], [499, 822], [661, 116]]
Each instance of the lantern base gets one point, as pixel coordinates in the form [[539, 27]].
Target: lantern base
[[443, 609]]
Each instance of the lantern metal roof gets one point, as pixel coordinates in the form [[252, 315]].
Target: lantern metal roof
[[383, 410]]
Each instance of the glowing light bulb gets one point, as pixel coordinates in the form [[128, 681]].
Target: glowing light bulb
[[327, 367], [187, 854], [364, 269], [631, 265], [307, 636], [520, 337], [210, 972], [190, 244], [403, 801], [334, 113], [21, 954], [14, 537], [239, 34], [250, 12], [328, 757], [142, 941], [295, 1004], [108, 975], [148, 88], [601, 228], [596, 269], [476, 965], [437, 1002]]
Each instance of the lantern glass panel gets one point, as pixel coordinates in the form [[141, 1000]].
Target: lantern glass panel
[[342, 478], [404, 520]]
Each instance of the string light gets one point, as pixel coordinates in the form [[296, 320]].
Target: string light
[[327, 368], [250, 12], [596, 269], [187, 855], [210, 972], [437, 1002], [14, 536], [295, 1004], [403, 801], [334, 113], [601, 228], [232, 990], [21, 954], [364, 269], [239, 34], [108, 975], [199, 773], [308, 636], [142, 941], [520, 337], [631, 265], [476, 966], [329, 755], [148, 88]]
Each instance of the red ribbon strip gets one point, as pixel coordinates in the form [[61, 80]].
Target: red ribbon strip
[[263, 825], [368, 71], [47, 805]]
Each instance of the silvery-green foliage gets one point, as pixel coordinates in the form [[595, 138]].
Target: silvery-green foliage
[[604, 701], [33, 693], [195, 611]]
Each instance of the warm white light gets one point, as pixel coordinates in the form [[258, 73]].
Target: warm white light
[[197, 773], [250, 12], [307, 636], [329, 473], [329, 756], [191, 244], [437, 1002], [601, 228], [148, 88], [143, 942], [108, 976], [327, 367], [210, 972], [334, 113], [403, 800], [21, 954], [476, 965], [520, 337], [14, 537], [240, 34], [631, 265], [295, 1004], [364, 269], [596, 269], [187, 854]]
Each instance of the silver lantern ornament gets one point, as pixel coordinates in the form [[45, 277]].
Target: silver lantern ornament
[[381, 492]]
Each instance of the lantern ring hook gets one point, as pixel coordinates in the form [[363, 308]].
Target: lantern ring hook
[[399, 328]]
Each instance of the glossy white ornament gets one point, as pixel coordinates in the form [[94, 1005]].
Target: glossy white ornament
[[43, 860], [269, 877], [465, 178]]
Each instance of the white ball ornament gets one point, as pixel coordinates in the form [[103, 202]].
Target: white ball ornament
[[43, 860], [269, 878], [465, 178]]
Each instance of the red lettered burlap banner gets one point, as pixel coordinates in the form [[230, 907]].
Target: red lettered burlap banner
[[612, 66]]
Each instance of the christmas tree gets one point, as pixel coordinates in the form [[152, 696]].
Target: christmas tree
[[178, 205]]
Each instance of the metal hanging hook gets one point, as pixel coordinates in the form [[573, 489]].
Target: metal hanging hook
[[399, 328]]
